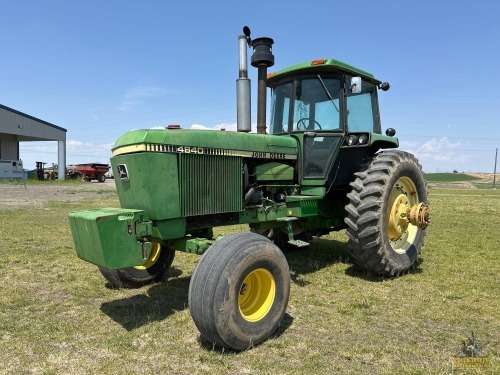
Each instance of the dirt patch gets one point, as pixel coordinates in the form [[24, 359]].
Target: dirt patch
[[14, 196], [484, 177]]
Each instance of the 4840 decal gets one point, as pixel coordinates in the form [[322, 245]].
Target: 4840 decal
[[152, 147]]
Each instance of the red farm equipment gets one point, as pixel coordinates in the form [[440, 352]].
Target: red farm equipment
[[89, 172]]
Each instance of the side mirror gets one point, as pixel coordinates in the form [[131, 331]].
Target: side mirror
[[390, 132], [384, 86], [356, 84]]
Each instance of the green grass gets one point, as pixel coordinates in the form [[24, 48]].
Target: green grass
[[44, 182], [57, 316], [486, 185], [449, 177]]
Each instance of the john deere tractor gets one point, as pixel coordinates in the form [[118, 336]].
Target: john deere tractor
[[322, 165]]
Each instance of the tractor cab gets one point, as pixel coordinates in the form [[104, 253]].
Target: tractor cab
[[326, 105]]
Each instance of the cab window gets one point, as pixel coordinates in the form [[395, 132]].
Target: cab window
[[280, 108], [317, 104], [313, 103], [362, 114]]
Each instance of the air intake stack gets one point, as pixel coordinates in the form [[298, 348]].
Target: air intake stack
[[262, 59]]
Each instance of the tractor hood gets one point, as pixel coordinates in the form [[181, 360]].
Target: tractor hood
[[200, 171], [207, 142]]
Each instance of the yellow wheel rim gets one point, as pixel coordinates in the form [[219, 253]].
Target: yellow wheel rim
[[400, 232], [257, 293], [155, 254]]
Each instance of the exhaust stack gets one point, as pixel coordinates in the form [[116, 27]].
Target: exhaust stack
[[243, 100]]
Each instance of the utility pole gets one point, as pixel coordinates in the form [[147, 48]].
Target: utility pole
[[495, 170]]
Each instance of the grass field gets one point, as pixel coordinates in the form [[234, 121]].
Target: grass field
[[485, 185], [449, 177], [57, 315]]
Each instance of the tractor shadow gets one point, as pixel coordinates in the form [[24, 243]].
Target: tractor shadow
[[157, 303], [321, 253], [355, 271], [285, 323]]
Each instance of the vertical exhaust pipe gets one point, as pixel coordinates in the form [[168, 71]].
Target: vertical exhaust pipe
[[243, 99]]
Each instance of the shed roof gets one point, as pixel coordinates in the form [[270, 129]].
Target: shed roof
[[31, 117], [28, 128]]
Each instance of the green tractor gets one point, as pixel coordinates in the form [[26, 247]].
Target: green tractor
[[323, 165]]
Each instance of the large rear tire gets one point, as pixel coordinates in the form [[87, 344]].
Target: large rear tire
[[380, 241], [239, 291], [134, 277]]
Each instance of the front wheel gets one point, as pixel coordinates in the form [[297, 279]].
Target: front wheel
[[387, 213], [239, 291], [156, 267]]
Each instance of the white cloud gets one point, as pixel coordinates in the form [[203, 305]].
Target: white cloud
[[200, 127], [442, 149], [439, 144], [225, 126], [77, 152], [441, 154], [74, 145]]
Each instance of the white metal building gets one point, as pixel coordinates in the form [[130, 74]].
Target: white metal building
[[18, 127]]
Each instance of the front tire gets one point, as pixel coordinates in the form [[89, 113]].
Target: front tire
[[380, 240], [134, 277], [239, 291]]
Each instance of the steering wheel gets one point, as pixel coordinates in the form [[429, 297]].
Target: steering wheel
[[301, 124]]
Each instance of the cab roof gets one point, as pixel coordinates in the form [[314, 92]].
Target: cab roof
[[320, 65]]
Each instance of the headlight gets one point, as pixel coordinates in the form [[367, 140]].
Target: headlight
[[363, 139], [351, 140]]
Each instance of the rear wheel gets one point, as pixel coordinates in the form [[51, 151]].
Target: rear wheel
[[381, 238], [239, 291], [101, 178], [153, 270]]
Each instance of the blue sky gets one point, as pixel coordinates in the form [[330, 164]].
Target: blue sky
[[101, 68]]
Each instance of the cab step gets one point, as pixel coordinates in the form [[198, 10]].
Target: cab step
[[288, 220], [299, 243]]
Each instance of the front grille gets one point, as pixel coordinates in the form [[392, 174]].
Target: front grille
[[210, 184]]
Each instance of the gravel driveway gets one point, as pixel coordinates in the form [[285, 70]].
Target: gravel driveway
[[18, 195]]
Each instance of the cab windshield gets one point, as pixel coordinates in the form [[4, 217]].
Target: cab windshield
[[316, 105]]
